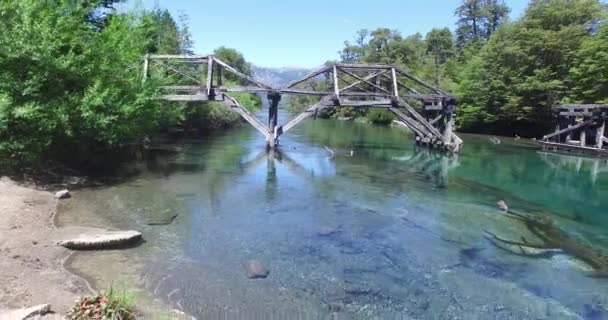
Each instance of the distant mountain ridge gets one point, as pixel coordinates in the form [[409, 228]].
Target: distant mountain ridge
[[278, 77]]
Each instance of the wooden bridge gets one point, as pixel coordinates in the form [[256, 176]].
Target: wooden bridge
[[204, 78], [580, 128]]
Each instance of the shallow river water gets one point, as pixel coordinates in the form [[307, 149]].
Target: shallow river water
[[383, 230]]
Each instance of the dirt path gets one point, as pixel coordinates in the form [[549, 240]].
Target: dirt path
[[31, 271]]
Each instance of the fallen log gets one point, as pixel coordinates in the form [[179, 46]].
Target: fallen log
[[102, 240]]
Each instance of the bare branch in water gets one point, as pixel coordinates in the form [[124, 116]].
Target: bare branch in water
[[332, 153], [551, 238]]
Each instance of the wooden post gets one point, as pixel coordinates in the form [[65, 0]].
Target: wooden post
[[273, 99], [336, 84], [145, 70], [599, 142], [583, 141], [570, 120], [219, 76], [448, 111], [395, 87], [209, 76]]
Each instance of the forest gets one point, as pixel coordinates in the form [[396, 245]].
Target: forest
[[70, 77], [506, 74], [71, 83]]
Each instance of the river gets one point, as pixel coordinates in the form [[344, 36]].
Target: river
[[383, 230]]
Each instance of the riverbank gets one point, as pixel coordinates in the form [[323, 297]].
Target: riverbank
[[31, 263]]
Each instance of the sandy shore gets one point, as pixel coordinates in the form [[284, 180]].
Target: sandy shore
[[31, 264]]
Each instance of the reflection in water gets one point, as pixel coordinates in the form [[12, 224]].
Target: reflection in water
[[389, 231], [564, 164]]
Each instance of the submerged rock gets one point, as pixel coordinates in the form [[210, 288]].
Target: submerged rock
[[326, 231], [102, 240], [26, 313], [63, 194], [256, 270]]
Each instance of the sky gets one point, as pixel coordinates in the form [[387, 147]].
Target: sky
[[296, 33]]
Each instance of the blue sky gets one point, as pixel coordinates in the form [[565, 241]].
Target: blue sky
[[275, 33]]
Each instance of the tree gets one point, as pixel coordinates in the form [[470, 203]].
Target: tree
[[470, 16], [235, 59], [590, 71], [162, 32], [524, 68], [186, 44], [496, 12], [440, 46], [478, 20]]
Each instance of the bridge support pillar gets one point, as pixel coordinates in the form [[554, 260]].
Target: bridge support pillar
[[274, 130]]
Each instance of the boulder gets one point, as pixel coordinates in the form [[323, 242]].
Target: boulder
[[256, 270], [63, 194], [26, 313], [102, 240]]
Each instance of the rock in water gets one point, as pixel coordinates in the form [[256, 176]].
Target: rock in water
[[256, 270], [102, 240], [503, 205], [63, 194], [326, 231], [26, 313]]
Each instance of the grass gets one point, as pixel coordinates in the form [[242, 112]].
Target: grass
[[112, 304]]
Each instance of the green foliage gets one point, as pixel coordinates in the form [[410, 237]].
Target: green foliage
[[524, 68], [379, 116], [162, 34], [112, 304], [590, 73], [478, 20], [236, 60], [70, 78]]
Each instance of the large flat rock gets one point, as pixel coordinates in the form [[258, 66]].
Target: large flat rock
[[26, 313], [101, 239]]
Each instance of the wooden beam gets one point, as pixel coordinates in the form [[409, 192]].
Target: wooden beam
[[574, 147], [419, 81], [240, 74], [373, 75], [420, 119], [145, 68], [336, 84], [185, 97], [580, 125], [439, 117], [235, 106], [599, 134], [369, 103], [164, 65], [395, 86], [403, 85], [307, 77], [306, 114], [411, 123], [365, 81], [209, 75], [580, 106], [177, 56]]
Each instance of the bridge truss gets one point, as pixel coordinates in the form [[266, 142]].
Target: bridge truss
[[207, 78]]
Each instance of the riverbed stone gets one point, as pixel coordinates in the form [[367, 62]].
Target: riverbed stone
[[63, 194], [26, 313], [255, 269], [326, 231], [102, 240]]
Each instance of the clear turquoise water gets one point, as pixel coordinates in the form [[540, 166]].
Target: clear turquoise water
[[408, 240]]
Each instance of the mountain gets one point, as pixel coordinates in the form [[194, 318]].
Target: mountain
[[278, 77]]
